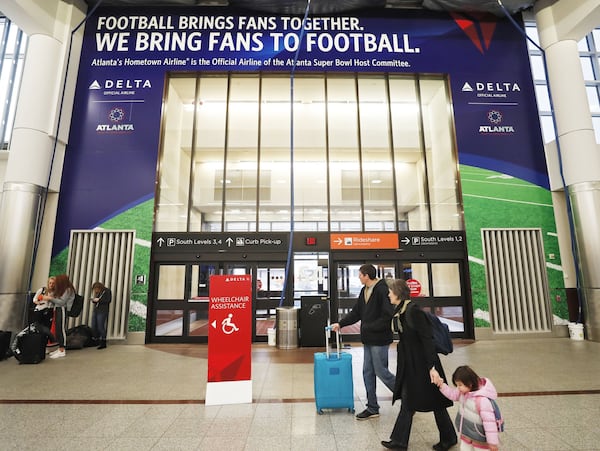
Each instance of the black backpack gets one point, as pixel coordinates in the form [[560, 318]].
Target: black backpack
[[439, 331], [441, 334], [76, 307], [79, 337]]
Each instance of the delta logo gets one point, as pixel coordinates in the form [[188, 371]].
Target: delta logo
[[495, 89], [116, 122], [495, 126], [240, 278], [479, 28], [120, 86]]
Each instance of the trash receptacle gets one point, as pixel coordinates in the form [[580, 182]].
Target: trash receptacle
[[287, 327]]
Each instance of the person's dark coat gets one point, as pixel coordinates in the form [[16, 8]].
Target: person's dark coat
[[374, 316], [416, 356], [103, 303]]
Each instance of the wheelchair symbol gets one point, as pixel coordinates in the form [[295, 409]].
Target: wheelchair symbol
[[227, 326]]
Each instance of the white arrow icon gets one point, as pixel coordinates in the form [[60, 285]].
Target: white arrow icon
[[214, 324], [160, 242], [229, 241], [405, 240], [338, 241]]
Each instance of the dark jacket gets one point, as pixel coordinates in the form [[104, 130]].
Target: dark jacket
[[104, 300], [416, 356], [374, 316]]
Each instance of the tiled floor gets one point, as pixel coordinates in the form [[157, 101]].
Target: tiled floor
[[135, 397]]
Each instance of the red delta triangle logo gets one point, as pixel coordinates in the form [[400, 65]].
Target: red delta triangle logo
[[479, 27]]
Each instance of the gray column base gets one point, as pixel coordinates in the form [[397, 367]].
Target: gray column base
[[20, 210], [585, 201], [14, 312], [591, 314]]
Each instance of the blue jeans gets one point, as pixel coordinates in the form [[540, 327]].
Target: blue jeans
[[99, 323], [375, 365]]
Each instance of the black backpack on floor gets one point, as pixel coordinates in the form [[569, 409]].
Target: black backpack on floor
[[79, 337]]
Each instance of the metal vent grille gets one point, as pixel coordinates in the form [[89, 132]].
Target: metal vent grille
[[517, 281], [107, 257]]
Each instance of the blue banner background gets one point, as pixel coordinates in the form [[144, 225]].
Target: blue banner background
[[111, 159]]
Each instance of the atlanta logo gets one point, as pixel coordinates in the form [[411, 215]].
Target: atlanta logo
[[116, 117], [495, 126]]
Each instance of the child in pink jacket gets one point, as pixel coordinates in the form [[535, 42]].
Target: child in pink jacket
[[475, 420]]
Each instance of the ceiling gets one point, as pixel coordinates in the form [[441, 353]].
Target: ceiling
[[335, 6]]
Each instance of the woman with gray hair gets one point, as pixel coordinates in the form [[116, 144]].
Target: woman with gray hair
[[418, 367]]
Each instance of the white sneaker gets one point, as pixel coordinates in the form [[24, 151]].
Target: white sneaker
[[57, 354]]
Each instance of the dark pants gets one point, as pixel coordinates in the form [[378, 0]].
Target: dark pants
[[60, 316], [401, 432], [99, 323]]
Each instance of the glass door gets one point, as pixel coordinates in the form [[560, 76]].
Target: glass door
[[181, 301], [198, 299], [439, 286], [269, 284], [348, 287]]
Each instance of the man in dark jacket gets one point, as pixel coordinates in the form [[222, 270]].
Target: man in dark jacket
[[374, 310]]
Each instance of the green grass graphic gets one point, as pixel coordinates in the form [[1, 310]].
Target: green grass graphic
[[140, 219], [491, 200], [495, 200]]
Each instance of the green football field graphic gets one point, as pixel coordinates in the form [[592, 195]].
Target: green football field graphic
[[490, 199], [140, 219], [495, 200]]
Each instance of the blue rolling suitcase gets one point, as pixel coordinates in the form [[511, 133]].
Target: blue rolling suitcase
[[334, 388]]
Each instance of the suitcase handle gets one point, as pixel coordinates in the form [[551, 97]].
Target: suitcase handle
[[337, 341]]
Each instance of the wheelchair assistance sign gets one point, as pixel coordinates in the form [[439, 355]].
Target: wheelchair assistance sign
[[229, 340]]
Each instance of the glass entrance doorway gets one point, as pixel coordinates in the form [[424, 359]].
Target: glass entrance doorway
[[181, 301], [438, 285], [178, 311], [180, 290]]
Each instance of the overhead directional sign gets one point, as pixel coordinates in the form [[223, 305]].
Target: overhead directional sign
[[359, 241], [433, 241], [219, 242]]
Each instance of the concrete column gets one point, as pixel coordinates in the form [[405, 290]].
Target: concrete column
[[580, 155], [36, 151]]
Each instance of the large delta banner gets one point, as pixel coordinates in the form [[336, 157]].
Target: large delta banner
[[111, 158]]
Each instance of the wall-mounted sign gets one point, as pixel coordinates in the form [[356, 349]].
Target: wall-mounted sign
[[415, 287]]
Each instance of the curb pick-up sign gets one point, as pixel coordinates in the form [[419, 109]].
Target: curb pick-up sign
[[219, 242]]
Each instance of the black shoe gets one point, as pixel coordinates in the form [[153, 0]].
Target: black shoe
[[393, 445], [443, 446], [102, 344], [366, 414]]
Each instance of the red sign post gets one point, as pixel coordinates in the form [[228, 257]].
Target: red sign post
[[229, 340]]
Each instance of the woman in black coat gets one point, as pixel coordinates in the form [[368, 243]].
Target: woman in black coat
[[418, 366]]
